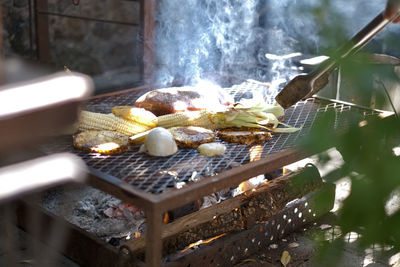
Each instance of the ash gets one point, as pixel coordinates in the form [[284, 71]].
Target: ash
[[84, 206]]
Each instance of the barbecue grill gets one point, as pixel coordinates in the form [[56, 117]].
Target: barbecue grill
[[136, 169], [158, 185]]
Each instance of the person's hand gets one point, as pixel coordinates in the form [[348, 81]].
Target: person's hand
[[392, 7]]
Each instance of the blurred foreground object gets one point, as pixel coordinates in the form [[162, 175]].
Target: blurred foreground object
[[30, 112], [39, 174], [33, 110]]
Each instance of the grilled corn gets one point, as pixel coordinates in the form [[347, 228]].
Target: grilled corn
[[139, 115], [98, 121], [244, 114], [205, 119]]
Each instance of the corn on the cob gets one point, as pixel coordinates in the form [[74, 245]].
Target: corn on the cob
[[241, 115], [98, 121], [205, 119], [139, 115]]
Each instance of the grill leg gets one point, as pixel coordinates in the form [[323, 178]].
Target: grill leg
[[153, 238]]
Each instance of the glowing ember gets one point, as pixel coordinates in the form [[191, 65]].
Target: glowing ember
[[166, 218], [200, 242], [123, 210], [285, 170], [255, 154]]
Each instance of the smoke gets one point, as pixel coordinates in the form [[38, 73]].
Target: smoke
[[194, 37], [197, 37]]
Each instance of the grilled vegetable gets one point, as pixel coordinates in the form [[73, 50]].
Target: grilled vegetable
[[248, 137], [243, 114], [104, 142], [191, 136], [138, 115], [98, 121], [159, 142], [212, 149], [139, 138], [202, 118]]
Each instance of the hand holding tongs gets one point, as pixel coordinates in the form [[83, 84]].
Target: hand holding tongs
[[304, 86]]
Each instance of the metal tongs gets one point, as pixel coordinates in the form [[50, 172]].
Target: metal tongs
[[305, 85]]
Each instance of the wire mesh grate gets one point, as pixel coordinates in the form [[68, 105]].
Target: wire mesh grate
[[157, 174]]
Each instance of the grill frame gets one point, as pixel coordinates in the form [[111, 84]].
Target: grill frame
[[155, 205], [157, 175]]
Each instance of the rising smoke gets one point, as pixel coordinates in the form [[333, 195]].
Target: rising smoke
[[197, 37], [233, 36]]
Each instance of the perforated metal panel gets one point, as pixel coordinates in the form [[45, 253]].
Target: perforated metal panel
[[235, 247], [155, 174]]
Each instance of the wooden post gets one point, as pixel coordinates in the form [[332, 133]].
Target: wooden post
[[1, 47], [42, 31], [1, 35], [148, 8]]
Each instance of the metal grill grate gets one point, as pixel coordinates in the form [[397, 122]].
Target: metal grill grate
[[156, 175]]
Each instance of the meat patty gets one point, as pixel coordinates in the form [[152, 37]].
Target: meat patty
[[104, 142], [247, 136], [192, 136], [179, 99]]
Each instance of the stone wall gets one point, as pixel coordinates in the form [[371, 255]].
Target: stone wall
[[90, 47], [15, 27]]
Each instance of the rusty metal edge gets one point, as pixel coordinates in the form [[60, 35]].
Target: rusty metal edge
[[120, 189], [176, 198], [179, 197]]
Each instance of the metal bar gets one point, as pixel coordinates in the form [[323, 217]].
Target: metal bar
[[351, 104], [153, 238], [49, 13], [42, 31], [120, 189], [226, 179]]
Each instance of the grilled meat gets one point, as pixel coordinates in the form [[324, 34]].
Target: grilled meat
[[245, 136], [192, 136], [104, 142], [178, 99]]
